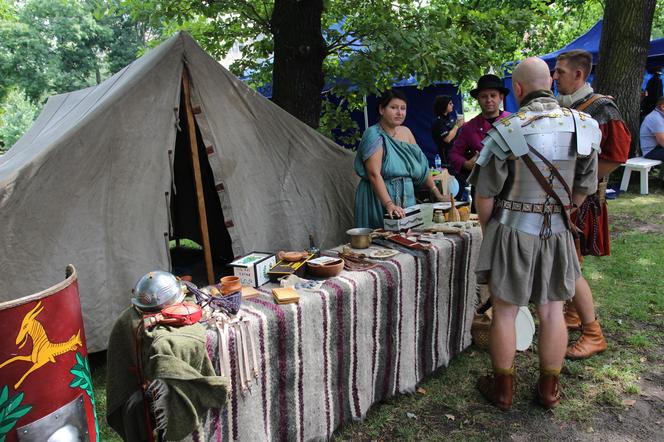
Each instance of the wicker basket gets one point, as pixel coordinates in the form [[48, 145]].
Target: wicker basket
[[480, 329]]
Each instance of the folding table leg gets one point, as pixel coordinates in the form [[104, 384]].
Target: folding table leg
[[644, 181], [627, 173]]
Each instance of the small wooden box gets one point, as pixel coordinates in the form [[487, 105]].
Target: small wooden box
[[412, 219], [253, 268]]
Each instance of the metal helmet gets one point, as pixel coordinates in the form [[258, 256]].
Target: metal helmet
[[155, 290]]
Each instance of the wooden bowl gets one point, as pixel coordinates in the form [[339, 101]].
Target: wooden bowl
[[326, 270], [230, 284], [292, 256]]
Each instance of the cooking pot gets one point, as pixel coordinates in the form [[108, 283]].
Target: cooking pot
[[360, 238]]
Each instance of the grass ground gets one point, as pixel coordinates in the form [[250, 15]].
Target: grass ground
[[615, 396]]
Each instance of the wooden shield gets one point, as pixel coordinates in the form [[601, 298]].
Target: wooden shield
[[44, 362]]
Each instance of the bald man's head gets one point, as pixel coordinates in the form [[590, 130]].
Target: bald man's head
[[532, 74]]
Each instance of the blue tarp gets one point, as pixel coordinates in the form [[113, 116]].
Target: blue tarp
[[419, 115], [589, 42]]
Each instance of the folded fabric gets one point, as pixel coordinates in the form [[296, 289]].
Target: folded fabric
[[175, 365]]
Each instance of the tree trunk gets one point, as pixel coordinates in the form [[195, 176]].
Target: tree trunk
[[299, 51], [623, 51]]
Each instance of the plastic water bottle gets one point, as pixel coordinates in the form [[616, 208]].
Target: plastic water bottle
[[437, 163]]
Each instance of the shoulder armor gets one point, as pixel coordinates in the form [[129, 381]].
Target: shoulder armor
[[493, 145], [588, 135], [509, 129]]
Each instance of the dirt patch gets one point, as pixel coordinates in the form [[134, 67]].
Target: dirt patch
[[641, 420], [637, 417], [621, 223]]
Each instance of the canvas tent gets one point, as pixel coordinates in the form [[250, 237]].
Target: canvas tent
[[589, 42], [98, 180]]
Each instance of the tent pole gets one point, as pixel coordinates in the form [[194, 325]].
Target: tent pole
[[193, 142]]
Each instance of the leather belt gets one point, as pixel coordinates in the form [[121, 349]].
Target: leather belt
[[518, 206]]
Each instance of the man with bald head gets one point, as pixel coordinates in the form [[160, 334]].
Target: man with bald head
[[534, 167]]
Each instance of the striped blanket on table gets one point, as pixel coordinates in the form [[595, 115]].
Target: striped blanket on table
[[362, 338]]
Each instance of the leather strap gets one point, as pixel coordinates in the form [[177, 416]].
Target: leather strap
[[554, 171], [549, 190], [590, 101]]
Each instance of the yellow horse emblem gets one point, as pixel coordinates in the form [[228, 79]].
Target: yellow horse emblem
[[43, 350]]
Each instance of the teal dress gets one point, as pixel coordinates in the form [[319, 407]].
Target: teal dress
[[404, 168]]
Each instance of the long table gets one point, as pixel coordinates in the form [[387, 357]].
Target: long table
[[362, 338]]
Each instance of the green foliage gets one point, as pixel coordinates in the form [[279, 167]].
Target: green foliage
[[83, 380], [379, 41], [55, 46], [11, 411], [658, 22], [16, 116]]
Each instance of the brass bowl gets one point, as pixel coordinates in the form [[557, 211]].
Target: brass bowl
[[360, 238]]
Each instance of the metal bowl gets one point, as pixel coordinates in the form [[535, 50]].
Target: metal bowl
[[360, 238]]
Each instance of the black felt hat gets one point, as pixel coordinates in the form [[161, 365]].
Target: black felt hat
[[489, 81]]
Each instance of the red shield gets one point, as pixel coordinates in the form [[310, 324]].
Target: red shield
[[43, 359]]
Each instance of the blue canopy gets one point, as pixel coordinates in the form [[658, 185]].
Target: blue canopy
[[589, 42]]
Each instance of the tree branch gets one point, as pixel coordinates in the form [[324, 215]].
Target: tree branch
[[337, 46]]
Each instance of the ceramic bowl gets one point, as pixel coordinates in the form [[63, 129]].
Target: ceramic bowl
[[326, 270]]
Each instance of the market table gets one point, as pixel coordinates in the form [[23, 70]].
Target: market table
[[363, 337]]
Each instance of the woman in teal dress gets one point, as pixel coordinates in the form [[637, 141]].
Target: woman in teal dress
[[390, 164]]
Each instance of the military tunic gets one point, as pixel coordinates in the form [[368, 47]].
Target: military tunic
[[517, 260]]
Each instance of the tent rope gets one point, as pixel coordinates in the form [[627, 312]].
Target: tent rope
[[170, 219], [170, 165]]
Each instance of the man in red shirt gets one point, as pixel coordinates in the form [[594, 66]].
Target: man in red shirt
[[489, 93], [570, 74]]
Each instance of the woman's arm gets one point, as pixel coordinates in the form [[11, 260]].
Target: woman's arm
[[451, 134], [434, 189], [373, 165]]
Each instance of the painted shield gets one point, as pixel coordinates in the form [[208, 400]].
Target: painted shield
[[45, 380]]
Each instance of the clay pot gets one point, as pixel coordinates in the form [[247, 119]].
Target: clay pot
[[230, 284]]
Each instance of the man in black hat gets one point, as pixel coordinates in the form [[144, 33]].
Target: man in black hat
[[489, 93]]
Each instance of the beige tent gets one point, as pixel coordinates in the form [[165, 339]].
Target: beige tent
[[103, 179]]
